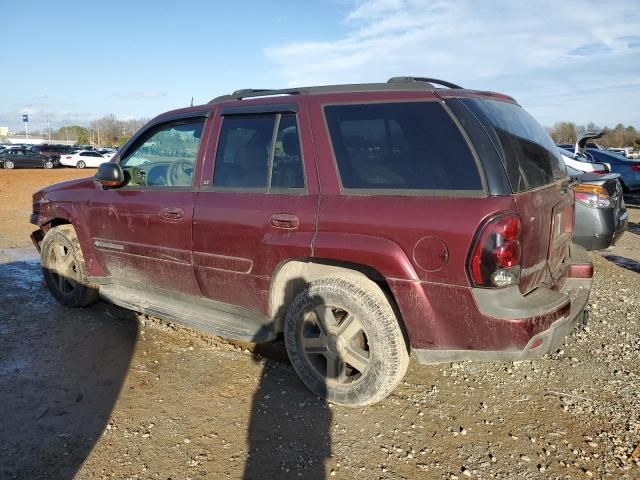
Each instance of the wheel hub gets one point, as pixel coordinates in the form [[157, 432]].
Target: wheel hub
[[335, 344]]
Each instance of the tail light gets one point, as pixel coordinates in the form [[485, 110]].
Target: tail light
[[601, 172], [496, 254], [635, 168], [69, 156], [592, 195]]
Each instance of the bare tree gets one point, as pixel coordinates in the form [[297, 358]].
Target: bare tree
[[563, 132]]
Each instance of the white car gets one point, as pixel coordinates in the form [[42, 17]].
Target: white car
[[82, 159], [580, 162]]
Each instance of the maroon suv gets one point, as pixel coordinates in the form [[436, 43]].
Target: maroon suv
[[362, 222]]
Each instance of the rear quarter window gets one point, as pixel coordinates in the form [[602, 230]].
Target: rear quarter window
[[530, 157], [412, 147]]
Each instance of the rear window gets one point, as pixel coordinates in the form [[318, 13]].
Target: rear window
[[531, 158], [409, 146]]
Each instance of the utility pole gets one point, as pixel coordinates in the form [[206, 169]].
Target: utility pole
[[49, 130]]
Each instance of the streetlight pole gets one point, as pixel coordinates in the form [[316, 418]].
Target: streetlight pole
[[25, 119]]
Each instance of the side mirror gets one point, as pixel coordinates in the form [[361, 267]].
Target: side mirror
[[109, 175]]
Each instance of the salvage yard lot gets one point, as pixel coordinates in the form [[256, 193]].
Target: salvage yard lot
[[102, 393]]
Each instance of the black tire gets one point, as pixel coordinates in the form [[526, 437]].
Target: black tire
[[8, 164], [81, 164], [63, 268], [361, 357], [625, 189], [48, 164]]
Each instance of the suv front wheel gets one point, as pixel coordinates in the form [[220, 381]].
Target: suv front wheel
[[344, 341], [63, 268]]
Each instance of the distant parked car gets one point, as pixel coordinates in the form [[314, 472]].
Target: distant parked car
[[581, 162], [25, 158], [83, 159], [628, 169], [601, 215], [619, 151], [107, 153], [52, 150]]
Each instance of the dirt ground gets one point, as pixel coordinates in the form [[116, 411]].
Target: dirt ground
[[104, 393], [16, 188]]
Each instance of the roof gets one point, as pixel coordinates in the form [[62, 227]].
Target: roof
[[393, 84]]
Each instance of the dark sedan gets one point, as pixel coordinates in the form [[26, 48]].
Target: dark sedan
[[600, 213], [25, 158]]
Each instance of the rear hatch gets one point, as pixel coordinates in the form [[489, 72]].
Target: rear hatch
[[540, 185]]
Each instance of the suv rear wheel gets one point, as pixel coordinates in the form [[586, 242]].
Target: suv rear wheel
[[344, 341], [63, 268]]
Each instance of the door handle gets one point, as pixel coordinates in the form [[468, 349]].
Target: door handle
[[172, 213], [285, 221]]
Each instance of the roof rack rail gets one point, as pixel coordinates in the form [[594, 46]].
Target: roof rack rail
[[257, 92], [435, 81]]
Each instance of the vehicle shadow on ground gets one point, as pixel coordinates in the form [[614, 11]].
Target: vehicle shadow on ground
[[633, 228], [61, 371], [285, 442], [632, 200], [623, 262]]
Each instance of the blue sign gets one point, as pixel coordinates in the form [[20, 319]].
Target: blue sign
[[25, 118]]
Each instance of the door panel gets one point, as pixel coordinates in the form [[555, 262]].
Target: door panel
[[136, 243], [142, 232], [32, 160], [245, 225], [236, 248]]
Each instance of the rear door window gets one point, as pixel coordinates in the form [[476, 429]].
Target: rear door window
[[412, 147], [531, 159]]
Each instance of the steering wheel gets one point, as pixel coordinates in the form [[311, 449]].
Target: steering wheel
[[180, 173]]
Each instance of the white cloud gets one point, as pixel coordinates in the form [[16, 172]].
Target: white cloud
[[497, 45]]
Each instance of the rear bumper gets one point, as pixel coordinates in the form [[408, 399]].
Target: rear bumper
[[599, 228], [446, 323], [544, 342]]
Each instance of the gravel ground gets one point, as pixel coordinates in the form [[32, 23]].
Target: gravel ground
[[103, 393]]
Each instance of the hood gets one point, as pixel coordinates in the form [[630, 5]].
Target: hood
[[68, 185]]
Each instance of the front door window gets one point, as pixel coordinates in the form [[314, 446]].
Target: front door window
[[165, 156]]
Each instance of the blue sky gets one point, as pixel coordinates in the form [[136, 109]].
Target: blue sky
[[71, 62]]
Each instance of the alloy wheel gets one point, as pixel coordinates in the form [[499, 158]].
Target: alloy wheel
[[62, 269], [335, 344]]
